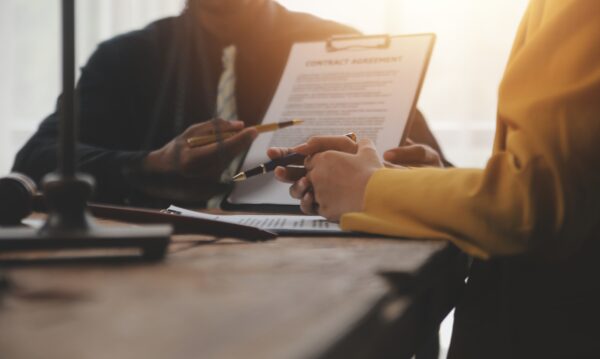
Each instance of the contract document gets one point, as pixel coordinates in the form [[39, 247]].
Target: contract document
[[280, 224], [366, 85]]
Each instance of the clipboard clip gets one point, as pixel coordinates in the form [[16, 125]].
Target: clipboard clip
[[358, 42]]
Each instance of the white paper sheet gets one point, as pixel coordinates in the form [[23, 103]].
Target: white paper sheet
[[275, 223], [370, 92]]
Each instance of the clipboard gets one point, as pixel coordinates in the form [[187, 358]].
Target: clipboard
[[178, 223], [408, 54], [182, 224]]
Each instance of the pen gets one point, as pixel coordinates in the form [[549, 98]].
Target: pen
[[271, 165], [208, 139]]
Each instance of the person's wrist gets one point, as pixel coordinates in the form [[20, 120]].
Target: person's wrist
[[365, 185], [154, 163]]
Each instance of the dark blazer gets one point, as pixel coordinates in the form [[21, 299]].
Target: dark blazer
[[141, 89]]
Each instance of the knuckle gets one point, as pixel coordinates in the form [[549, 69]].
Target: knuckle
[[308, 160], [306, 206], [372, 151], [421, 151], [293, 191], [297, 190], [312, 142], [326, 156], [218, 124], [349, 143], [322, 156]]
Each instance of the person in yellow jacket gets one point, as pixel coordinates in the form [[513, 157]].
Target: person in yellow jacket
[[531, 217]]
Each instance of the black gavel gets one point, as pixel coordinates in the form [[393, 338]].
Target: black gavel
[[17, 196]]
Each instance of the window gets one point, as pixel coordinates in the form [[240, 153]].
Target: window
[[458, 98], [474, 38], [30, 64]]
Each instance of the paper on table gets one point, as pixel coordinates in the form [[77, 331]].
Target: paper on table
[[275, 223], [370, 92]]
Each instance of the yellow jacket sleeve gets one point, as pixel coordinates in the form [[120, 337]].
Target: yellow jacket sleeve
[[541, 187]]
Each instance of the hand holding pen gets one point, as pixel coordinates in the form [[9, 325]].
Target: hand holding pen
[[287, 160], [197, 141], [205, 149], [329, 160], [206, 163]]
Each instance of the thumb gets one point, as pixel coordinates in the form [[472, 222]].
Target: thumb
[[238, 143], [278, 152]]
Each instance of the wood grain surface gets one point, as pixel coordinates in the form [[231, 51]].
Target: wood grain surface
[[288, 298]]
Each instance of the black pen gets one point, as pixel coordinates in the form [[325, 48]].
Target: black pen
[[290, 159]]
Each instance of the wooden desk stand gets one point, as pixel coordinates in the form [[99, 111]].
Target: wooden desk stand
[[151, 240], [68, 225]]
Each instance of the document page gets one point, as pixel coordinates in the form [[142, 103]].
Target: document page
[[280, 224], [368, 91]]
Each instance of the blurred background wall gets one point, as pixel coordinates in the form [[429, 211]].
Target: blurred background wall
[[458, 99]]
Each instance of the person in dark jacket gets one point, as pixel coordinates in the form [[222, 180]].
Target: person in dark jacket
[[143, 93]]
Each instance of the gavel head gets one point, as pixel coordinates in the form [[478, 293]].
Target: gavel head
[[16, 198]]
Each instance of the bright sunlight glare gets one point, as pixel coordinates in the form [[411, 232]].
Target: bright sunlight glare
[[473, 43]]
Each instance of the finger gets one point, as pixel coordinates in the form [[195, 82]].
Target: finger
[[240, 141], [325, 143], [234, 145], [387, 164], [403, 154], [323, 159], [414, 154], [213, 126], [299, 188], [319, 207], [310, 162], [308, 204], [289, 174], [281, 174], [278, 152], [366, 145], [221, 125]]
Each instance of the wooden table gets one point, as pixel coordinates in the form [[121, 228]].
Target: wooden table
[[312, 297]]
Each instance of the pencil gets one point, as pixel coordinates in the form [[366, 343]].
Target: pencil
[[212, 138]]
